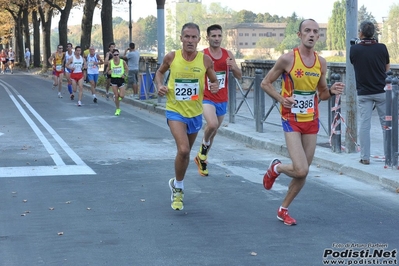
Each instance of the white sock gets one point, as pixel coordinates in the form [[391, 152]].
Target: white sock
[[94, 96], [282, 208], [206, 143], [275, 169], [179, 184]]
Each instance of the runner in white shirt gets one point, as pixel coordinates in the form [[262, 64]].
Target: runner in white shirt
[[93, 61], [69, 54], [76, 64], [11, 59]]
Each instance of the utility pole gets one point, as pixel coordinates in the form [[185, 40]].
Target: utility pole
[[161, 30], [130, 21], [350, 86]]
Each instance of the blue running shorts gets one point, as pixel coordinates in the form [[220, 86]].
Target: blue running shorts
[[221, 108], [194, 124]]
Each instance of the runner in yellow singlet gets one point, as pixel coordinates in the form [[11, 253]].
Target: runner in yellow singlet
[[57, 61], [184, 94], [304, 82]]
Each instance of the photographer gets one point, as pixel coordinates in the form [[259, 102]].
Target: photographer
[[370, 60]]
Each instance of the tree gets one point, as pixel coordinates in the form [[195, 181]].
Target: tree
[[46, 14], [264, 47], [15, 9], [63, 22], [87, 22], [291, 39], [6, 26], [106, 24], [36, 38], [245, 16], [185, 12], [363, 15], [336, 29], [390, 32]]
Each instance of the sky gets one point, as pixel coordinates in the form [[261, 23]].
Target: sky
[[319, 10]]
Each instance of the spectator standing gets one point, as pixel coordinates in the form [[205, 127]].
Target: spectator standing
[[133, 57], [27, 58], [370, 60]]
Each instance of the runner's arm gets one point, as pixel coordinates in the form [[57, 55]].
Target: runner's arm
[[231, 62]]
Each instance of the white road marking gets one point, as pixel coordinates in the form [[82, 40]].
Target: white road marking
[[60, 167], [29, 171]]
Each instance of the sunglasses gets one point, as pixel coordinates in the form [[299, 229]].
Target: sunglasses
[[116, 54]]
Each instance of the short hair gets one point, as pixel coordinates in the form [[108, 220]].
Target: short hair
[[70, 44], [115, 50], [132, 45], [78, 47], [213, 27], [300, 24], [190, 25], [111, 43], [367, 28]]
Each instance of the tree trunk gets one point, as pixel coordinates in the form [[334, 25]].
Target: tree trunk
[[106, 24], [36, 39], [63, 23], [45, 17], [87, 23], [25, 22]]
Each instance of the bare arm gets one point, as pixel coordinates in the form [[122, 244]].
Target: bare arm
[[106, 58], [283, 63], [210, 72], [51, 58], [69, 64], [126, 69], [322, 88], [231, 62], [99, 60], [160, 74]]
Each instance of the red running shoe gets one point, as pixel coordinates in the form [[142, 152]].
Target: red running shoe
[[270, 176], [282, 215]]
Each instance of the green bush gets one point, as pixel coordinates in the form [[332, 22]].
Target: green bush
[[101, 81]]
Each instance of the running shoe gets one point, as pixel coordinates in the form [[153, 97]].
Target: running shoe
[[120, 98], [270, 176], [202, 154], [176, 197], [72, 97], [282, 215], [95, 100], [59, 95], [107, 96], [117, 112], [202, 166], [79, 103]]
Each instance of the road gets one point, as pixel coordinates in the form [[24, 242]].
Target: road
[[80, 186]]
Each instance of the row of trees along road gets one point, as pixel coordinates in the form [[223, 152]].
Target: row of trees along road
[[22, 18]]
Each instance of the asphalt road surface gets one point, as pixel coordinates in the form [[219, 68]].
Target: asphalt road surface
[[80, 186]]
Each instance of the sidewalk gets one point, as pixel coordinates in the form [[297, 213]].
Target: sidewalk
[[272, 139]]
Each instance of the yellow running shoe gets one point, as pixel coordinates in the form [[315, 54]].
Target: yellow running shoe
[[117, 112], [176, 197], [202, 166], [202, 154]]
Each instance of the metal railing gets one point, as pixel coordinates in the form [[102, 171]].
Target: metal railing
[[391, 121]]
